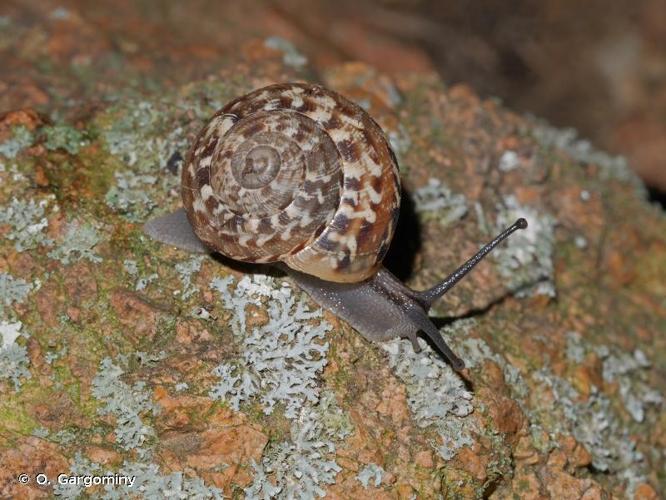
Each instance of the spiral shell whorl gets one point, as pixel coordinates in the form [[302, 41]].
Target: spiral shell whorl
[[294, 173]]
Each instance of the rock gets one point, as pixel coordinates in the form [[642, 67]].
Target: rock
[[209, 377]]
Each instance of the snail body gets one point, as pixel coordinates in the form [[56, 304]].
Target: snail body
[[296, 175]]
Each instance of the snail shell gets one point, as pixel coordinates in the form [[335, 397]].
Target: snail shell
[[294, 173]]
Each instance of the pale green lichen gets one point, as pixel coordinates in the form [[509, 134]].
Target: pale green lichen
[[508, 161], [291, 56], [130, 267], [336, 423], [130, 196], [526, 259], [371, 472], [630, 371], [12, 290], [297, 468], [186, 271], [148, 482], [62, 136], [27, 221], [78, 243], [144, 135], [281, 360], [14, 359], [595, 424], [575, 349], [436, 395], [436, 201], [399, 139], [126, 403], [581, 150], [280, 364], [21, 138]]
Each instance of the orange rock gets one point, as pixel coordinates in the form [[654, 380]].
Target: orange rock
[[577, 455], [137, 315], [221, 453], [525, 452], [526, 485], [561, 484], [26, 117], [102, 456], [31, 456], [80, 284], [472, 462], [424, 459], [189, 331], [505, 413], [493, 375], [645, 492]]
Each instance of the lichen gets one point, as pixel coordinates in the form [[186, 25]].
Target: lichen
[[630, 370], [12, 290], [21, 138], [126, 403], [298, 467], [143, 135], [508, 161], [436, 395], [526, 259], [291, 56], [78, 243], [130, 267], [594, 423], [280, 363], [130, 196], [575, 349], [149, 482], [62, 136], [336, 423], [186, 271], [436, 201], [282, 359], [370, 472], [27, 221], [14, 360], [581, 150]]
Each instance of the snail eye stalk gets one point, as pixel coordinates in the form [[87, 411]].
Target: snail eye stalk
[[428, 297]]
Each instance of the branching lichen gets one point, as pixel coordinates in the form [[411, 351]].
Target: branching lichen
[[298, 467], [371, 472], [62, 136], [630, 370], [21, 138], [594, 423], [280, 363], [130, 197], [436, 395], [127, 403], [436, 201], [27, 222], [12, 290], [526, 259], [291, 55], [281, 359], [78, 243], [14, 360], [581, 150], [148, 482], [186, 270]]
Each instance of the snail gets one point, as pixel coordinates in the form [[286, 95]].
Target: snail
[[297, 175]]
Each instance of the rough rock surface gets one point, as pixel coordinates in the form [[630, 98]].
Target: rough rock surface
[[121, 355]]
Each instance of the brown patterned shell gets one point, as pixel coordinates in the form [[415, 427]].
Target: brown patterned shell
[[294, 173]]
